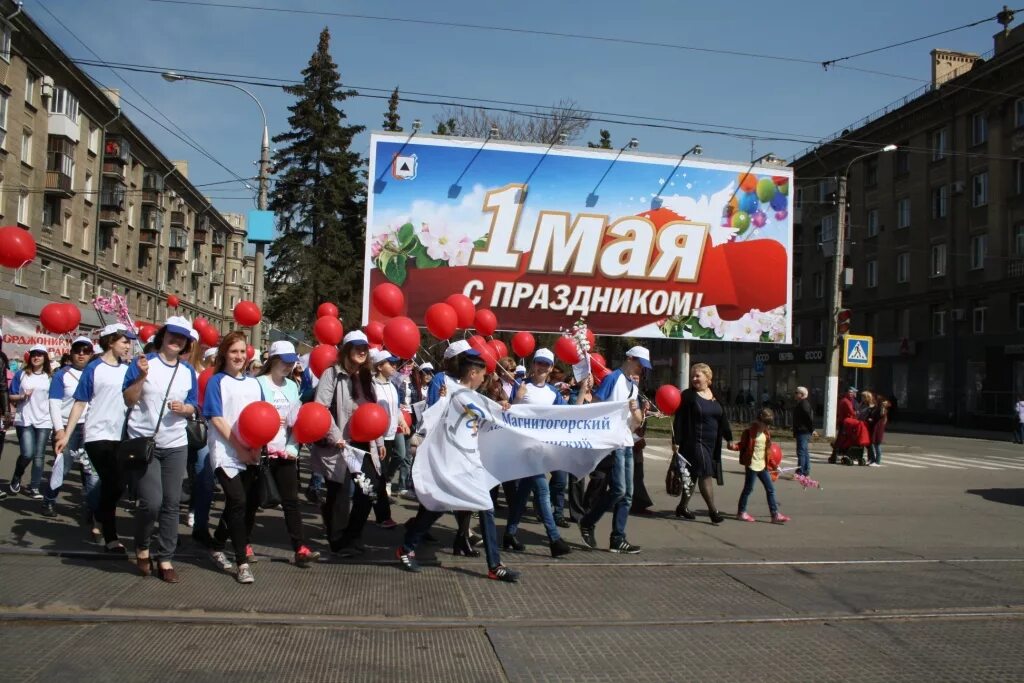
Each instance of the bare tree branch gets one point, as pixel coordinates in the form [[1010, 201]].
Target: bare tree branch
[[547, 126]]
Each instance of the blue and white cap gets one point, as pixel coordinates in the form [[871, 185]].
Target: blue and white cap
[[117, 328], [82, 340], [179, 325], [284, 350], [455, 348], [356, 337], [544, 356], [642, 355], [378, 356]]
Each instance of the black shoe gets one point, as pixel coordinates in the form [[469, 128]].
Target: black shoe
[[621, 545], [475, 540], [503, 573], [49, 509], [462, 547], [563, 523], [407, 560], [587, 532], [684, 512], [510, 542], [716, 517], [559, 548]]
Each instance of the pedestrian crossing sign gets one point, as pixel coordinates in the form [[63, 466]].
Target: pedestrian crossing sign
[[858, 351]]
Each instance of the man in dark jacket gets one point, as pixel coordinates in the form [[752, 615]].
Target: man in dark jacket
[[5, 403], [803, 430]]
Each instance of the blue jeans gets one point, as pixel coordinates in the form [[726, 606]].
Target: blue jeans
[[538, 485], [559, 483], [75, 452], [202, 492], [33, 443], [803, 454], [617, 497], [419, 525], [748, 487], [398, 461], [875, 453], [1019, 433]]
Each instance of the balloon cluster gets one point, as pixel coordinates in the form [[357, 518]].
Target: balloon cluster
[[753, 200]]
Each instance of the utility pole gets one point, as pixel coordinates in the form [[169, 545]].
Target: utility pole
[[261, 204]]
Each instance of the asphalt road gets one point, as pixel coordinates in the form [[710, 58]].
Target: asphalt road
[[910, 571]]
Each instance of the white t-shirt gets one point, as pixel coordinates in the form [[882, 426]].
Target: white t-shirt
[[543, 395], [62, 396], [226, 396], [286, 399], [101, 386], [1020, 410], [35, 411], [387, 398], [143, 416]]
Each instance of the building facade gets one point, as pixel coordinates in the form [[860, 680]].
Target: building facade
[[109, 212]]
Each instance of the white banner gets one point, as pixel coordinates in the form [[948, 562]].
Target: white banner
[[472, 445], [20, 334]]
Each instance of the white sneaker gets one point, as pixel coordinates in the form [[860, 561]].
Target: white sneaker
[[222, 561], [191, 520], [244, 574], [387, 488], [874, 464]]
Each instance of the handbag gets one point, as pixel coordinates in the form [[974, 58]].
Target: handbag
[[673, 480], [196, 430], [136, 453], [267, 494]]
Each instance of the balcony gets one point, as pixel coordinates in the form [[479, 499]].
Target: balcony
[[152, 189], [148, 237], [1015, 268], [198, 266], [116, 151], [217, 249], [177, 246], [59, 184], [201, 229], [217, 277], [112, 199], [178, 219]]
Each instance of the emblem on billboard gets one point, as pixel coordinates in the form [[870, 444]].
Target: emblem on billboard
[[404, 167]]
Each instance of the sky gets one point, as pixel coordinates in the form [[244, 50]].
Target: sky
[[798, 100]]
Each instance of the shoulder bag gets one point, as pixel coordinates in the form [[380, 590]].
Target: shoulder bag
[[137, 453]]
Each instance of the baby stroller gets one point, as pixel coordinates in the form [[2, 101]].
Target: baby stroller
[[853, 438]]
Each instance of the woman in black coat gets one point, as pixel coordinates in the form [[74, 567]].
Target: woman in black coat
[[699, 427]]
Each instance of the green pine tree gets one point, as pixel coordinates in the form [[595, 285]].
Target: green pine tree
[[604, 143], [445, 127], [391, 116], [319, 199]]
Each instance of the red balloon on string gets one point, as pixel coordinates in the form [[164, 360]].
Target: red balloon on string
[[312, 423], [327, 310], [464, 309], [374, 332], [173, 301], [199, 323], [258, 423], [591, 339], [487, 354], [321, 358], [204, 379], [17, 246], [499, 348], [247, 313], [250, 352], [598, 367], [402, 337], [523, 344], [668, 399], [388, 299], [209, 335], [328, 330], [54, 317], [368, 422], [485, 322], [72, 315], [477, 342], [147, 331], [566, 351], [441, 320]]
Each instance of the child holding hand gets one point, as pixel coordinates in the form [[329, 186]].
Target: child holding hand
[[753, 448]]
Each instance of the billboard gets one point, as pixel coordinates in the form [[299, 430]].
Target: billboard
[[636, 244]]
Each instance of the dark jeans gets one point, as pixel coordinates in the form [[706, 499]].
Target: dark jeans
[[617, 497], [33, 444], [397, 450], [1019, 433], [510, 488], [286, 474], [558, 484], [577, 492], [419, 525], [202, 492], [748, 487], [641, 499], [240, 502], [803, 453], [103, 455], [73, 452], [538, 486], [159, 499]]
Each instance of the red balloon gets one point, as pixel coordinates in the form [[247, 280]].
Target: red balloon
[[173, 301], [17, 246], [441, 320], [598, 366], [499, 348], [204, 379], [258, 423], [322, 357], [247, 313], [485, 322], [72, 315], [250, 352], [388, 299], [327, 310], [54, 318], [523, 344], [591, 339], [402, 337], [487, 354], [566, 351], [312, 423], [668, 399], [199, 323], [374, 332], [368, 422], [328, 330], [478, 342], [464, 309], [209, 335], [147, 331]]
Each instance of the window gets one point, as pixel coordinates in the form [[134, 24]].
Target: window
[[248, 277], [1020, 309], [67, 228], [903, 267], [51, 211], [828, 228], [872, 222], [936, 386], [235, 249], [3, 121], [902, 159], [26, 147], [44, 276], [1018, 113], [19, 277], [87, 189], [871, 172], [798, 201], [5, 42], [65, 281], [938, 261], [798, 282], [871, 276], [903, 213], [938, 144], [818, 281], [903, 323], [113, 250], [1018, 176], [83, 291], [979, 189], [796, 333], [938, 322], [30, 88], [234, 277], [232, 300], [819, 331], [979, 128], [131, 214], [94, 139], [978, 318], [86, 237], [24, 207], [1018, 239], [979, 251], [940, 201], [63, 102]]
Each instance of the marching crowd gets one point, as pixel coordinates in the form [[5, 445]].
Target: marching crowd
[[143, 425]]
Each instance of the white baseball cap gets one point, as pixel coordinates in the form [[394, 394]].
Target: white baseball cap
[[544, 356], [210, 352], [179, 325], [378, 356], [357, 337], [82, 340], [455, 348], [427, 367], [520, 369], [641, 354], [284, 350], [38, 348], [117, 328]]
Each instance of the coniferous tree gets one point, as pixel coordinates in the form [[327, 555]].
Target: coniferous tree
[[320, 202], [604, 143], [445, 127], [391, 117]]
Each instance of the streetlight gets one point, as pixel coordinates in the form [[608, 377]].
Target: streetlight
[[832, 381], [264, 177]]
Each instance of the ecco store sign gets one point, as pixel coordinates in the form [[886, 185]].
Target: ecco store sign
[[815, 355]]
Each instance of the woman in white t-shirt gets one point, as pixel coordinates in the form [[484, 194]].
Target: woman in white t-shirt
[[100, 390], [30, 392], [385, 387], [162, 393], [234, 463], [283, 452]]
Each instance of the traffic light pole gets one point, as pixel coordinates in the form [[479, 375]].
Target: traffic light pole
[[832, 381]]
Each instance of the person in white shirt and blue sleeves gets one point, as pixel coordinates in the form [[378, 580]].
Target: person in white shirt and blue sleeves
[[161, 391]]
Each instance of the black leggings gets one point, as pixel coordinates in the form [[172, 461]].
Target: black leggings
[[103, 455], [286, 474], [239, 511]]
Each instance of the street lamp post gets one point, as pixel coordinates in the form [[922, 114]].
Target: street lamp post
[[264, 177], [832, 381]]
